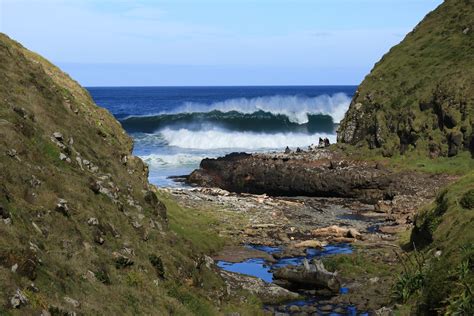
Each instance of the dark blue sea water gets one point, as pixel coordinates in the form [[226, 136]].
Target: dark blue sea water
[[175, 127]]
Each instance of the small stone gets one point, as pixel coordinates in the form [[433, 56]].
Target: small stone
[[374, 279], [14, 267], [32, 288], [36, 227], [18, 299], [326, 308], [294, 309], [93, 221], [72, 301], [62, 157], [11, 152], [45, 313], [466, 31], [62, 207], [58, 136], [438, 253]]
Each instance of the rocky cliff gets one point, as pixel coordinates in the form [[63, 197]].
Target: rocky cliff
[[420, 95], [81, 229]]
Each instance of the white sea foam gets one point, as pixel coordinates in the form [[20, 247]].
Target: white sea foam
[[296, 108], [181, 159], [222, 139]]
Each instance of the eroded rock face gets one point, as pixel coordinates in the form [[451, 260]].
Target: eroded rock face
[[302, 174]]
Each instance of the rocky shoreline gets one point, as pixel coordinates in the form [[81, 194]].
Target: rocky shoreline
[[372, 204], [313, 173]]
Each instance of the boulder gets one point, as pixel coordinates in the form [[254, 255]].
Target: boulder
[[312, 243], [313, 273]]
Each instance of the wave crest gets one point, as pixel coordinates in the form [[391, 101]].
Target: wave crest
[[296, 108], [221, 139]]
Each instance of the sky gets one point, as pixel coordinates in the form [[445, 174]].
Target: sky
[[212, 42]]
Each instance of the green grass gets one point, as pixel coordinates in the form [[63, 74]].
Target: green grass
[[357, 264], [195, 226], [447, 226], [421, 92]]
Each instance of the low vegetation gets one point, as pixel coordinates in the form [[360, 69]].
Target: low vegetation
[[438, 274], [420, 96], [81, 229]]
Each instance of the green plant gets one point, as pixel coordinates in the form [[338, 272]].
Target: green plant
[[412, 279], [157, 263], [467, 200]]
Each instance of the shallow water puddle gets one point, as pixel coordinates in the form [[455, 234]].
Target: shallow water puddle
[[256, 267], [262, 269]]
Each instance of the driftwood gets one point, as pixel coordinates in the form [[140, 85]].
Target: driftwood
[[309, 274]]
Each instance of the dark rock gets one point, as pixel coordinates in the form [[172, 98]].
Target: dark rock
[[4, 213], [94, 186], [157, 263], [307, 177], [159, 209], [62, 207], [98, 236], [454, 143], [122, 262], [21, 112], [58, 136]]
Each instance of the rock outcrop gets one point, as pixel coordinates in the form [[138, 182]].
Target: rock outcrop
[[420, 95], [318, 173]]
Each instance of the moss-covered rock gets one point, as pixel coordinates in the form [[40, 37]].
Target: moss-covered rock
[[420, 95]]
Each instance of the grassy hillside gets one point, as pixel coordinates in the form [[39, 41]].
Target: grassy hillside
[[81, 230], [420, 95], [439, 272]]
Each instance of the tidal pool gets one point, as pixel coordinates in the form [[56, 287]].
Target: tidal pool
[[262, 269]]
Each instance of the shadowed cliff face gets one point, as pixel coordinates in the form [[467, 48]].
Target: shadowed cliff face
[[420, 95], [77, 214]]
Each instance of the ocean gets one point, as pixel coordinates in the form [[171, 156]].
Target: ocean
[[174, 128]]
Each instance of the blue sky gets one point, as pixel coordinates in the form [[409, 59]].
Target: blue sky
[[226, 42]]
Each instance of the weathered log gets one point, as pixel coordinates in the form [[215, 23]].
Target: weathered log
[[309, 274]]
